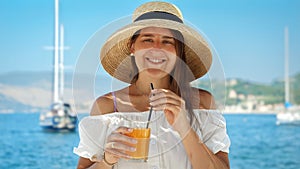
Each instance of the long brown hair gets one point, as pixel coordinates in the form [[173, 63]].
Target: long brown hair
[[180, 76]]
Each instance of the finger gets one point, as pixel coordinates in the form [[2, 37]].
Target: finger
[[166, 100], [157, 92], [173, 108], [121, 147], [174, 116], [118, 154], [169, 116], [123, 130], [118, 150], [118, 137]]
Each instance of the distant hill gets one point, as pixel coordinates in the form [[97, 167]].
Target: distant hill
[[247, 93], [267, 93], [32, 91]]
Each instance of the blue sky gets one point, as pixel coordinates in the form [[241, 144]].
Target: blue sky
[[247, 34]]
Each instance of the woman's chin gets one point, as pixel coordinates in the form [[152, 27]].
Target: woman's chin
[[156, 73]]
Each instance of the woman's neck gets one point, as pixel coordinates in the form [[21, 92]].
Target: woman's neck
[[143, 84]]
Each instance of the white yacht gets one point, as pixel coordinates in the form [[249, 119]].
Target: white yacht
[[291, 114], [60, 117]]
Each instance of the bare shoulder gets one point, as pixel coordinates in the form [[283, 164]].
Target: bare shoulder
[[103, 105], [207, 100]]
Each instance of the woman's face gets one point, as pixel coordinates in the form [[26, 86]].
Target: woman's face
[[154, 51]]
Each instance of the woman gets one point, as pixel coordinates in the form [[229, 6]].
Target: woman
[[169, 58]]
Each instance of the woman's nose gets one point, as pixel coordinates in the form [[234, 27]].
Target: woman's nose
[[157, 45]]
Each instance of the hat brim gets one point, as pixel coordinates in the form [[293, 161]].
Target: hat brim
[[115, 53]]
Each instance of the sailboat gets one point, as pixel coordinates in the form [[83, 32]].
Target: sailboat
[[60, 117], [290, 115]]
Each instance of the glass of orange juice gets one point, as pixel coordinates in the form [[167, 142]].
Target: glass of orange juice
[[142, 147]]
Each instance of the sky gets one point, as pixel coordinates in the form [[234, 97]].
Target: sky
[[248, 35]]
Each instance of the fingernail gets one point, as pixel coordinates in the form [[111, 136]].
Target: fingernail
[[130, 129], [134, 141], [132, 149]]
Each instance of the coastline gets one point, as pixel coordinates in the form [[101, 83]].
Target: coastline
[[86, 112], [253, 112]]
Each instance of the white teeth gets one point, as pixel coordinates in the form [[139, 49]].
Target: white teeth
[[155, 60]]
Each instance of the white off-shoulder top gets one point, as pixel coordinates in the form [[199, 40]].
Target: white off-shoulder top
[[166, 150]]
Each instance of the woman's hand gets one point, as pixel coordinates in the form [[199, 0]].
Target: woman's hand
[[173, 107], [118, 144]]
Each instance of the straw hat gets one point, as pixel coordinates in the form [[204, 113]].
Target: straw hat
[[115, 53]]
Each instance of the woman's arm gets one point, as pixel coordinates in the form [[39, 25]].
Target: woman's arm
[[203, 158], [84, 163], [174, 107], [102, 105]]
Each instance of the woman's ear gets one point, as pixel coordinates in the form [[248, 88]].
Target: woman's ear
[[132, 48]]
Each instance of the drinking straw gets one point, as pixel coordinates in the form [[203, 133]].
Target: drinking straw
[[149, 117]]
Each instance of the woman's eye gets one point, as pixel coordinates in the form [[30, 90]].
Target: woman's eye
[[168, 42], [147, 40]]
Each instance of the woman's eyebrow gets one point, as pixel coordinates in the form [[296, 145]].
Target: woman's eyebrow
[[147, 35], [152, 35], [168, 37]]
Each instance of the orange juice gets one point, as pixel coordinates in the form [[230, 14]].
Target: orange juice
[[142, 147]]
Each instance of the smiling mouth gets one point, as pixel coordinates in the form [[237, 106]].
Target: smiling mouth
[[155, 60]]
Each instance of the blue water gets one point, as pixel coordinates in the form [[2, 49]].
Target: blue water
[[257, 143]]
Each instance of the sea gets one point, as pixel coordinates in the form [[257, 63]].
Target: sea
[[256, 143]]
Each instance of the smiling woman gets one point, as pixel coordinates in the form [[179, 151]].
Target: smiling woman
[[187, 130], [155, 52]]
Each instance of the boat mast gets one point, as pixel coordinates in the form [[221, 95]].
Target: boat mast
[[61, 64], [56, 33], [286, 71]]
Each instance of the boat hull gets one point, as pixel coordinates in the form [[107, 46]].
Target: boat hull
[[292, 118], [59, 118]]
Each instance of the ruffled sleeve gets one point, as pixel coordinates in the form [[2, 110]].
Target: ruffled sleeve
[[213, 130], [93, 131]]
